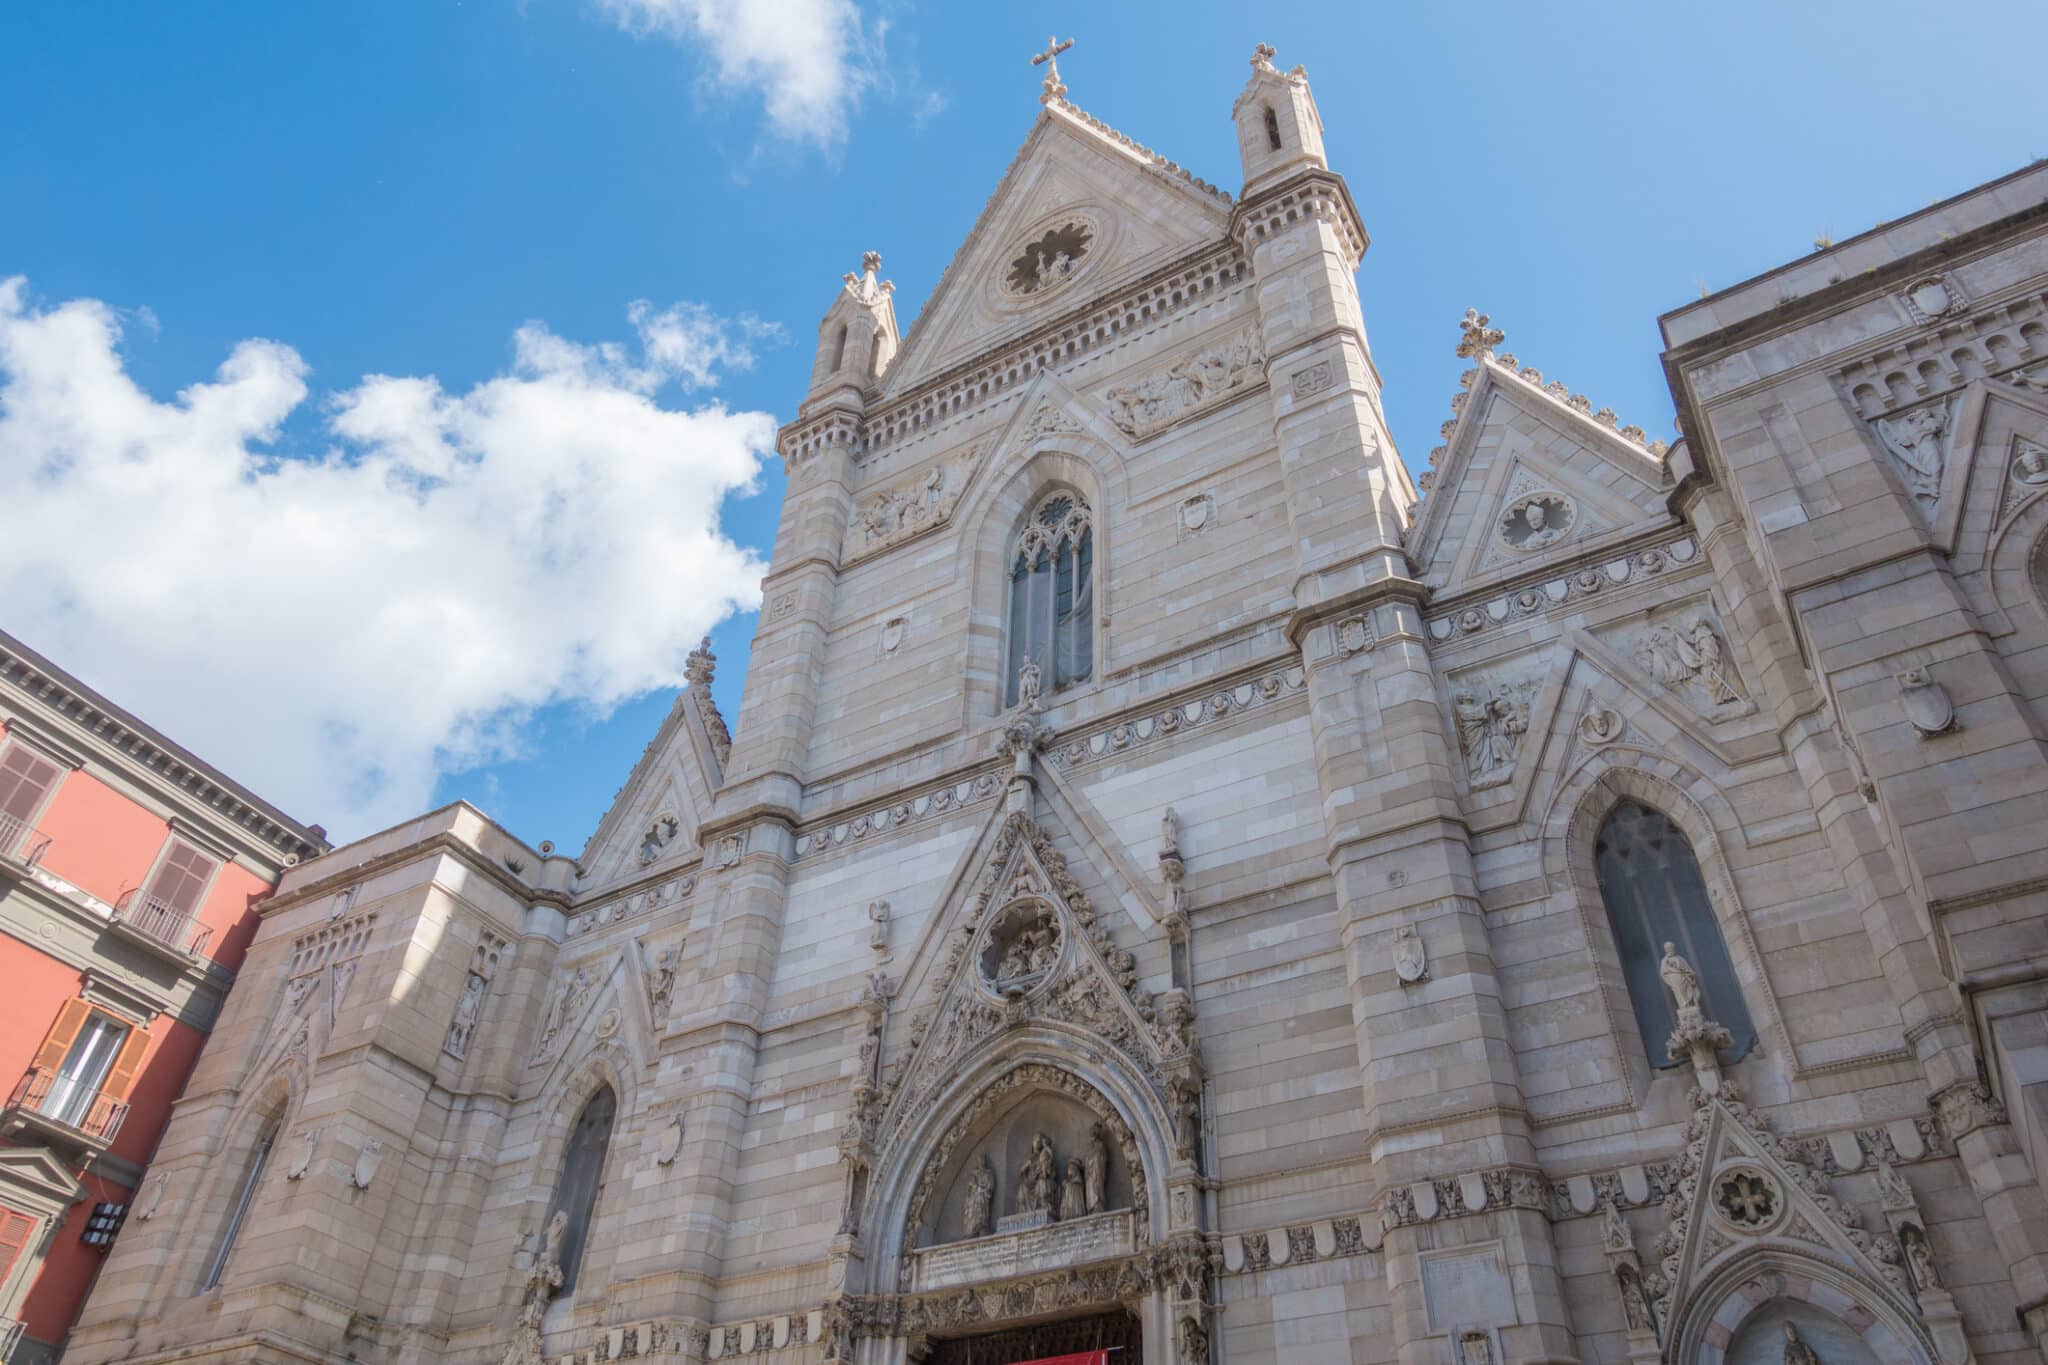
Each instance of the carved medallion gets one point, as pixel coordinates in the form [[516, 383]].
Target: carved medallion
[[1536, 521]]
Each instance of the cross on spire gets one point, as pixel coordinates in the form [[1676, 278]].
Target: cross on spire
[[1050, 60]]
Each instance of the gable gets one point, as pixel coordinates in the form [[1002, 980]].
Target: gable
[[653, 819], [1529, 476], [1081, 211]]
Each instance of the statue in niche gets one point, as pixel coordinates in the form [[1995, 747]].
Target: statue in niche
[[466, 1010], [1798, 1352], [1038, 1179], [1032, 951], [977, 1217], [1683, 983], [1633, 1305], [1096, 1167], [1920, 1257], [1074, 1191]]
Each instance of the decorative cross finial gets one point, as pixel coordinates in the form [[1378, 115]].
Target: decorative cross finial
[[1479, 339], [1050, 60], [701, 664], [870, 262], [1263, 55]]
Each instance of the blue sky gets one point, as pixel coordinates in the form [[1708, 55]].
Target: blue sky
[[348, 569]]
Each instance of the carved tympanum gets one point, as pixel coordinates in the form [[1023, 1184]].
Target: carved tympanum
[[1022, 947]]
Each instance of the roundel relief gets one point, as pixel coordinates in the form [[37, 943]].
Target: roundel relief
[[1019, 948], [1049, 259], [1540, 519]]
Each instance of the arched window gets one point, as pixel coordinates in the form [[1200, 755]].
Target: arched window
[[582, 1178], [839, 349], [1052, 595], [1650, 883], [1272, 128], [245, 1195]]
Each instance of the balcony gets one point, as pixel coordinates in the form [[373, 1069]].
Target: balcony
[[55, 1109], [159, 924], [23, 843], [10, 1336]]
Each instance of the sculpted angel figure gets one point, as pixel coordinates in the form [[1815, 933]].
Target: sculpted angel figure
[[981, 1198]]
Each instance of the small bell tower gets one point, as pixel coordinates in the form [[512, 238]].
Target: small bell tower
[[857, 339], [1278, 129]]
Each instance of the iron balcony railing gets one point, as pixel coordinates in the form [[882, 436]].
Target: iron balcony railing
[[60, 1100], [22, 841], [162, 921], [10, 1337]]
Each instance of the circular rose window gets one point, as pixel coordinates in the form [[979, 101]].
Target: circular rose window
[[1049, 259]]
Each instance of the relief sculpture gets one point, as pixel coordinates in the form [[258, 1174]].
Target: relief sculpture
[[903, 509], [1144, 406]]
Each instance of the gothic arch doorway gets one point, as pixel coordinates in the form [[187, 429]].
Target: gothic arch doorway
[[1118, 1331]]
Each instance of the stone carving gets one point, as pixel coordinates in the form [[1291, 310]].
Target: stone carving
[[1691, 657], [543, 1282], [1681, 980], [303, 1162], [1023, 951], [1798, 1352], [1054, 87], [1313, 380], [295, 992], [660, 979], [878, 926], [1926, 702], [1696, 1036], [1030, 686], [1600, 725], [1635, 1307], [1038, 1180], [1892, 1188], [978, 1218], [568, 1002], [902, 509], [1193, 1340], [368, 1159], [1535, 521], [1490, 729], [727, 854], [658, 836], [698, 670], [1916, 441], [1050, 259], [1074, 1191], [1411, 962], [1477, 336], [1196, 512], [639, 902], [1566, 590], [1749, 1199], [342, 975], [1475, 1348], [1932, 298], [894, 631], [1188, 385], [2029, 463], [463, 1026], [670, 1145], [1095, 1168], [1173, 719], [1964, 1107]]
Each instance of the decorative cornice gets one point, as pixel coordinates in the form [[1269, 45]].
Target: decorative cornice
[[1313, 193], [1464, 617], [153, 761]]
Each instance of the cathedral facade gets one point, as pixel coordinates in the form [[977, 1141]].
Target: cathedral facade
[[1177, 889]]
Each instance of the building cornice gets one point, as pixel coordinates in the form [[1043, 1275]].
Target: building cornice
[[148, 760]]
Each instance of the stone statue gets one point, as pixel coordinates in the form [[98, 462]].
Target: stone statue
[[1194, 1340], [543, 1282], [1798, 1352], [466, 1010], [1169, 834], [976, 1217], [661, 980], [1633, 1305], [1920, 1257], [1074, 1191], [1097, 1168], [1038, 1179], [1029, 685], [1682, 981], [878, 926]]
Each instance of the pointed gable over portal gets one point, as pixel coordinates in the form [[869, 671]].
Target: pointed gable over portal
[[1082, 210]]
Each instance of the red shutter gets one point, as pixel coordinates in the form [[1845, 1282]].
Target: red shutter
[[25, 780], [181, 877], [127, 1062], [15, 1231], [62, 1035]]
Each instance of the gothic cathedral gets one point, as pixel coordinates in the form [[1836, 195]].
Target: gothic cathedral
[[1179, 892]]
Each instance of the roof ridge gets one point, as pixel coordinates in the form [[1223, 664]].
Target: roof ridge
[[1478, 342], [1163, 162]]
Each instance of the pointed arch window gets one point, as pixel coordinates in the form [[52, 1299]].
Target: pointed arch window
[[1272, 128], [245, 1195], [1052, 595], [1651, 885], [582, 1179]]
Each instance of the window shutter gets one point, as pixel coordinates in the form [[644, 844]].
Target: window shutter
[[181, 877], [15, 1231], [127, 1063], [25, 779], [62, 1035]]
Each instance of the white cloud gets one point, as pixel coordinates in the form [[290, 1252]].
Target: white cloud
[[338, 631], [804, 55]]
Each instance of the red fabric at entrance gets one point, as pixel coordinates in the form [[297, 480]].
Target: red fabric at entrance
[[1084, 1358]]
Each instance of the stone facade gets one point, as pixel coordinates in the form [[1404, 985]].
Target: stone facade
[[1265, 994]]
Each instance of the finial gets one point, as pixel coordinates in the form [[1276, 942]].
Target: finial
[[1263, 55], [870, 262], [1479, 339], [698, 668], [1049, 59]]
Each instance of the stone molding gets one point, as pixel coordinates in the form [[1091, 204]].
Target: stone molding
[[1456, 620], [1314, 193], [668, 892]]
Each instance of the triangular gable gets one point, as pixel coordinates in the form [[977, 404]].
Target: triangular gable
[[1140, 212], [34, 1169], [1738, 1189], [1514, 445], [675, 780]]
